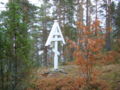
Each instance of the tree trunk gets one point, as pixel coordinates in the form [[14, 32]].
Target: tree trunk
[[108, 25]]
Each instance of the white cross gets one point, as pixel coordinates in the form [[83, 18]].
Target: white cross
[[55, 36]]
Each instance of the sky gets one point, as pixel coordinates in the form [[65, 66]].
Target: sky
[[32, 1], [36, 2]]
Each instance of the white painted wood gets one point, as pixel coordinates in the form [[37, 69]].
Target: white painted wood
[[55, 36], [56, 55], [55, 31]]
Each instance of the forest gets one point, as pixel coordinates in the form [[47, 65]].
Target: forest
[[89, 59]]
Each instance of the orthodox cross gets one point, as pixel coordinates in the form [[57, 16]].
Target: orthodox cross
[[54, 37]]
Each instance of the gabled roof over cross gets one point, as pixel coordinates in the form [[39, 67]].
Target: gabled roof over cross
[[55, 34]]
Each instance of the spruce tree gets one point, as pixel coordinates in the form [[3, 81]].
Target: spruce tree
[[15, 47]]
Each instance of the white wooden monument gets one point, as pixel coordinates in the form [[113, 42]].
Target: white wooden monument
[[55, 36]]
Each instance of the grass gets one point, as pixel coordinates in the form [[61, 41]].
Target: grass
[[111, 74]]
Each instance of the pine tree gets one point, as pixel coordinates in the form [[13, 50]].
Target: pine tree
[[44, 20], [108, 24], [117, 22], [2, 56]]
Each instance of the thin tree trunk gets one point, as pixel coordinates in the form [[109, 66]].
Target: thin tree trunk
[[2, 75], [108, 25], [87, 13], [16, 62]]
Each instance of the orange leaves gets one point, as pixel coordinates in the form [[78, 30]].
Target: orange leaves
[[80, 25], [80, 60], [99, 85], [89, 50], [72, 44], [95, 45], [96, 23], [66, 83], [109, 29], [80, 81], [93, 29], [109, 57], [91, 43]]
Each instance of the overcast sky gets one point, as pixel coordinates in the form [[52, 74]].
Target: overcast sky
[[32, 1], [36, 2]]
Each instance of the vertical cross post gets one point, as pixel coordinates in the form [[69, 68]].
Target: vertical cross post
[[56, 54]]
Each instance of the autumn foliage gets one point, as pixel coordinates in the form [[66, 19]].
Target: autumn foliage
[[88, 51], [67, 83]]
